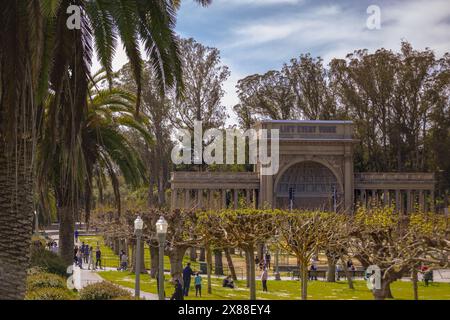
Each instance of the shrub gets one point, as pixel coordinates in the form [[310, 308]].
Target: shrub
[[103, 291], [49, 294], [47, 260], [45, 280]]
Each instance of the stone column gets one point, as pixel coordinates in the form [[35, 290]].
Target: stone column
[[247, 197], [348, 180], [432, 204], [398, 200], [187, 199], [235, 199], [223, 203], [255, 198], [388, 197], [364, 198], [209, 199], [408, 201], [200, 198], [266, 197], [421, 201], [385, 197], [373, 199]]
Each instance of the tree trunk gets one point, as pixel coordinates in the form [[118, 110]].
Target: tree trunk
[[414, 282], [154, 261], [247, 270], [176, 262], [66, 234], [304, 279], [384, 292], [331, 272], [209, 267], [347, 275], [218, 264], [230, 264], [250, 252], [16, 221]]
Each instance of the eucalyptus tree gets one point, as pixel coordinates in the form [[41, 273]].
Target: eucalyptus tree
[[314, 99], [266, 96], [203, 79], [155, 107]]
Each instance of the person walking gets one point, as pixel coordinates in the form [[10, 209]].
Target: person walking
[[198, 285], [123, 262], [75, 257], [98, 258], [76, 236], [187, 273], [79, 259], [85, 251], [264, 278]]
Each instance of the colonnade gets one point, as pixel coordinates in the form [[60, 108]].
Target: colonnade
[[214, 198], [405, 201]]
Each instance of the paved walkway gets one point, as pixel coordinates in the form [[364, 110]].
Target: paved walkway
[[84, 277]]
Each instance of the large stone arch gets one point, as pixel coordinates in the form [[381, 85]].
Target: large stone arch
[[314, 182]]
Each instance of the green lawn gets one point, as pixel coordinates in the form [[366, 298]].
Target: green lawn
[[287, 290]]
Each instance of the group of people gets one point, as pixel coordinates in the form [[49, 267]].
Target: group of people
[[182, 291], [265, 262], [53, 246], [349, 265], [86, 254]]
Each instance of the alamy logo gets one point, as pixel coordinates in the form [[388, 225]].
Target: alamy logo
[[374, 20], [373, 277], [74, 20], [234, 147]]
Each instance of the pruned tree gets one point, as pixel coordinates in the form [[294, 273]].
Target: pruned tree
[[302, 234], [245, 229], [396, 244]]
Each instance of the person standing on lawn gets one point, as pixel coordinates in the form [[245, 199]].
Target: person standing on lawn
[[264, 278], [198, 285], [187, 273]]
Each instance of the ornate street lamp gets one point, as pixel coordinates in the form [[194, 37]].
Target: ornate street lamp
[[138, 226], [161, 231], [277, 253]]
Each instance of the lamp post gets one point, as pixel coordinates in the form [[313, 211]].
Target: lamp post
[[161, 231], [277, 252], [138, 226], [36, 222]]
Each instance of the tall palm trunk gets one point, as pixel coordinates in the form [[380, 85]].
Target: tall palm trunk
[[16, 217], [21, 51], [66, 233]]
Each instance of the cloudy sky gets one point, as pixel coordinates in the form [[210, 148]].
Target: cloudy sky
[[255, 36]]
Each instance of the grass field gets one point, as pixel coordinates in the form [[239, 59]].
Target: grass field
[[287, 290]]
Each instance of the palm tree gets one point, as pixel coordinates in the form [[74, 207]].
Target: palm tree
[[38, 52], [102, 150]]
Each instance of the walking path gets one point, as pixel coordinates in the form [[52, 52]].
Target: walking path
[[84, 277]]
